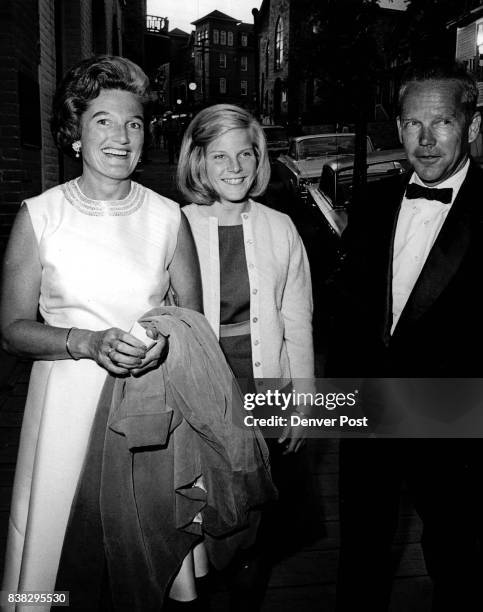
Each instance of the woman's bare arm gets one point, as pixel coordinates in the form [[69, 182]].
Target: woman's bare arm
[[23, 335], [184, 270]]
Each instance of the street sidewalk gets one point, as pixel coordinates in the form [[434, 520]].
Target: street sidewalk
[[156, 173]]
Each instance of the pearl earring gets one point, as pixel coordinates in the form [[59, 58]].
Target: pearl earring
[[77, 147]]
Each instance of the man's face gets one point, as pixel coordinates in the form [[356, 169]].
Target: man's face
[[434, 129]]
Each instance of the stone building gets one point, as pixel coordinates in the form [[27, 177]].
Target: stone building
[[39, 41], [274, 26], [289, 87]]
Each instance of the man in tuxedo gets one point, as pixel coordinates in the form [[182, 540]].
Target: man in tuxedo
[[412, 306]]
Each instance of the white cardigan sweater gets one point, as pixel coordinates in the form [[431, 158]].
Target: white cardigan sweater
[[280, 289]]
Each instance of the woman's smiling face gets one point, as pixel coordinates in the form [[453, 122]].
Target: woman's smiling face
[[231, 165], [112, 135]]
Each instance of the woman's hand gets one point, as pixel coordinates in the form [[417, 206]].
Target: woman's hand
[[155, 355], [115, 350], [293, 436]]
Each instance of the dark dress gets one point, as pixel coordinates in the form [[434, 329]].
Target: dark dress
[[294, 507], [235, 303]]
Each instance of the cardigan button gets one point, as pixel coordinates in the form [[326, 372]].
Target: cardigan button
[[255, 291], [255, 319], [251, 266], [245, 216], [256, 342], [257, 364]]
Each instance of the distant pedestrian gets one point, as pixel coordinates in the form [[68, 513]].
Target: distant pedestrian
[[172, 137], [157, 132]]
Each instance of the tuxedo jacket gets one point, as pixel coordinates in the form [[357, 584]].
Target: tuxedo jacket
[[440, 331]]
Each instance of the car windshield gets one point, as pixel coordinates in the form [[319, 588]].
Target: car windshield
[[338, 186], [376, 170], [339, 193], [275, 135], [327, 145]]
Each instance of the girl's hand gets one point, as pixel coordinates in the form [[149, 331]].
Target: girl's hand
[[293, 437], [155, 355]]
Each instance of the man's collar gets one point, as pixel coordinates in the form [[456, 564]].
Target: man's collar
[[454, 182]]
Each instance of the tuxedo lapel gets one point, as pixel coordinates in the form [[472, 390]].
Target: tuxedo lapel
[[445, 257]]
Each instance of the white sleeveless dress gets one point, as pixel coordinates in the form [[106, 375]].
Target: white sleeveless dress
[[103, 265]]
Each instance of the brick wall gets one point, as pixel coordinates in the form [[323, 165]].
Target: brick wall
[[31, 61], [20, 175], [134, 22], [77, 40], [47, 80], [466, 42]]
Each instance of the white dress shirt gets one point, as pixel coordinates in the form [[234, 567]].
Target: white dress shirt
[[418, 226]]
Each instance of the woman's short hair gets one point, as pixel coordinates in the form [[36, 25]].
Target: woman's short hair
[[84, 82], [208, 125]]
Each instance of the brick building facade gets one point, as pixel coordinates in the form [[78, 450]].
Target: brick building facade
[[223, 52], [469, 41], [39, 41], [469, 50]]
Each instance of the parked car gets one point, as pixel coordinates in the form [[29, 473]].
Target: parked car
[[277, 140], [306, 156], [330, 198]]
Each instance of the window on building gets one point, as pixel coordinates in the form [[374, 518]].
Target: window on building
[[223, 86], [230, 39], [244, 62], [223, 37], [244, 40], [479, 44], [222, 60], [216, 37], [479, 37], [278, 58], [244, 88]]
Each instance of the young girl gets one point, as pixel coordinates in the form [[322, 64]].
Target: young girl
[[256, 282]]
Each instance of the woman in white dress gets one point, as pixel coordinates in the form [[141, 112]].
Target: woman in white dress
[[91, 255]]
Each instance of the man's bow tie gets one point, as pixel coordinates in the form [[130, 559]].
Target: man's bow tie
[[414, 191]]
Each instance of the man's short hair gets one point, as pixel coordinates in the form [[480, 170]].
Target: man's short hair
[[208, 125], [440, 70]]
